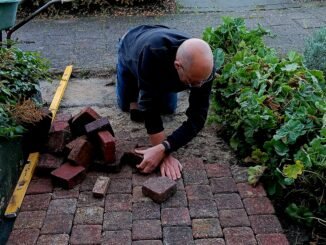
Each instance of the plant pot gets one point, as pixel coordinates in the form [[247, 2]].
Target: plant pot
[[8, 10]]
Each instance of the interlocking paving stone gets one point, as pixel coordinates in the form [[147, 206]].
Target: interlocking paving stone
[[89, 216], [222, 185], [263, 224], [86, 199], [233, 217], [122, 237], [272, 239], [118, 202], [202, 209], [139, 179], [120, 186], [206, 228], [60, 193], [59, 239], [180, 185], [125, 173], [117, 221], [199, 192], [146, 230], [239, 235], [88, 183], [146, 210], [147, 242], [192, 163], [57, 224], [210, 241], [29, 220], [159, 189], [23, 236], [247, 190], [228, 201], [258, 205], [179, 235], [86, 234], [39, 186], [218, 170], [62, 206], [179, 199], [36, 202], [195, 177], [138, 196], [240, 174], [175, 216]]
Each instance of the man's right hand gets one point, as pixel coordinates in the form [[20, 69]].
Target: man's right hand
[[171, 167]]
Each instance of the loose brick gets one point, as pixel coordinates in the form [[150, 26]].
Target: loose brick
[[118, 202], [57, 224], [86, 199], [192, 163], [179, 199], [218, 170], [159, 189], [202, 209], [72, 144], [68, 176], [272, 239], [114, 221], [146, 210], [206, 228], [199, 192], [147, 242], [246, 190], [122, 237], [101, 186], [86, 234], [61, 239], [146, 229], [59, 136], [221, 185], [63, 117], [81, 154], [239, 235], [101, 124], [233, 217], [265, 224], [240, 174], [62, 206], [258, 205], [210, 241], [120, 186], [60, 193], [107, 144], [138, 196], [89, 216], [228, 201], [48, 163], [36, 202], [175, 216], [23, 236], [131, 158], [29, 220], [78, 122], [177, 235], [39, 186], [195, 177]]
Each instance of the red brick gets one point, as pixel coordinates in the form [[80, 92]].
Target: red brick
[[39, 186], [61, 239], [192, 163], [101, 186], [117, 221], [36, 202], [233, 217], [63, 117], [120, 186], [195, 177], [107, 144], [228, 201], [62, 206], [118, 202], [59, 136], [206, 228], [177, 235], [218, 170], [202, 209], [57, 224], [265, 224], [159, 189], [146, 210], [131, 158], [210, 241], [86, 199], [86, 234], [68, 175], [146, 229], [73, 143], [101, 124], [122, 237], [246, 190], [272, 239], [178, 200], [221, 185], [89, 216], [199, 192], [48, 163], [175, 216], [78, 122], [58, 126], [82, 153], [239, 235], [258, 205], [23, 236], [29, 220]]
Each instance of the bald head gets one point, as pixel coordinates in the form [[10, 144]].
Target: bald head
[[196, 58]]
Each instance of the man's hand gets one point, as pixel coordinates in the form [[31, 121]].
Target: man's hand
[[152, 158], [171, 167]]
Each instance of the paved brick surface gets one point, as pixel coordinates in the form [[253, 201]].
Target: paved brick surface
[[118, 202], [239, 235], [178, 235], [206, 228], [86, 234], [117, 221], [223, 185], [228, 201], [120, 186], [146, 230], [57, 224], [89, 216], [36, 202], [233, 217], [27, 236], [121, 237], [29, 220], [202, 209], [39, 186], [195, 177], [175, 216], [247, 190], [62, 239], [262, 224], [146, 210], [258, 205], [272, 239], [62, 206], [218, 170], [199, 192]]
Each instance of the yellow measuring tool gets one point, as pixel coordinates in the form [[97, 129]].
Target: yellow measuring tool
[[25, 178]]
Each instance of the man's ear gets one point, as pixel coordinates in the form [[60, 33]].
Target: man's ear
[[177, 64]]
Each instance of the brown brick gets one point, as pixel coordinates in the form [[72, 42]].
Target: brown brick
[[120, 186], [210, 241], [118, 202], [57, 224], [146, 210], [131, 158], [29, 220], [233, 217], [147, 242], [195, 177], [175, 216], [228, 201], [114, 221], [218, 170], [202, 209], [240, 174], [179, 235], [23, 236], [78, 122], [258, 205], [178, 200], [221, 185], [246, 190], [101, 124], [86, 234], [265, 224], [239, 235], [63, 117], [60, 193], [199, 192], [122, 237], [86, 199], [206, 228], [72, 144], [82, 153], [138, 196], [146, 229], [59, 136], [272, 239], [89, 216], [101, 186], [62, 206], [192, 163], [36, 202], [107, 144], [39, 186], [61, 239], [68, 176], [159, 189], [48, 163]]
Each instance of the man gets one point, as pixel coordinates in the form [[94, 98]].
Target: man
[[154, 63]]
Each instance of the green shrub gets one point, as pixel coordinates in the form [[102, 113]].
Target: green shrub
[[315, 51]]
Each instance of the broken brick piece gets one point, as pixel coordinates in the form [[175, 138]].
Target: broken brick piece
[[82, 153], [107, 143], [59, 135], [101, 186], [99, 125], [159, 188], [73, 143], [48, 163], [131, 158], [78, 122], [68, 175]]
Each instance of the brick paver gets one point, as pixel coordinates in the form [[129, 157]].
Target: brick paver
[[89, 216], [239, 235], [57, 224], [36, 202], [30, 220], [146, 210], [26, 236], [202, 209], [86, 234], [175, 216], [206, 228], [233, 217], [62, 239], [146, 230], [117, 221], [121, 237]]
